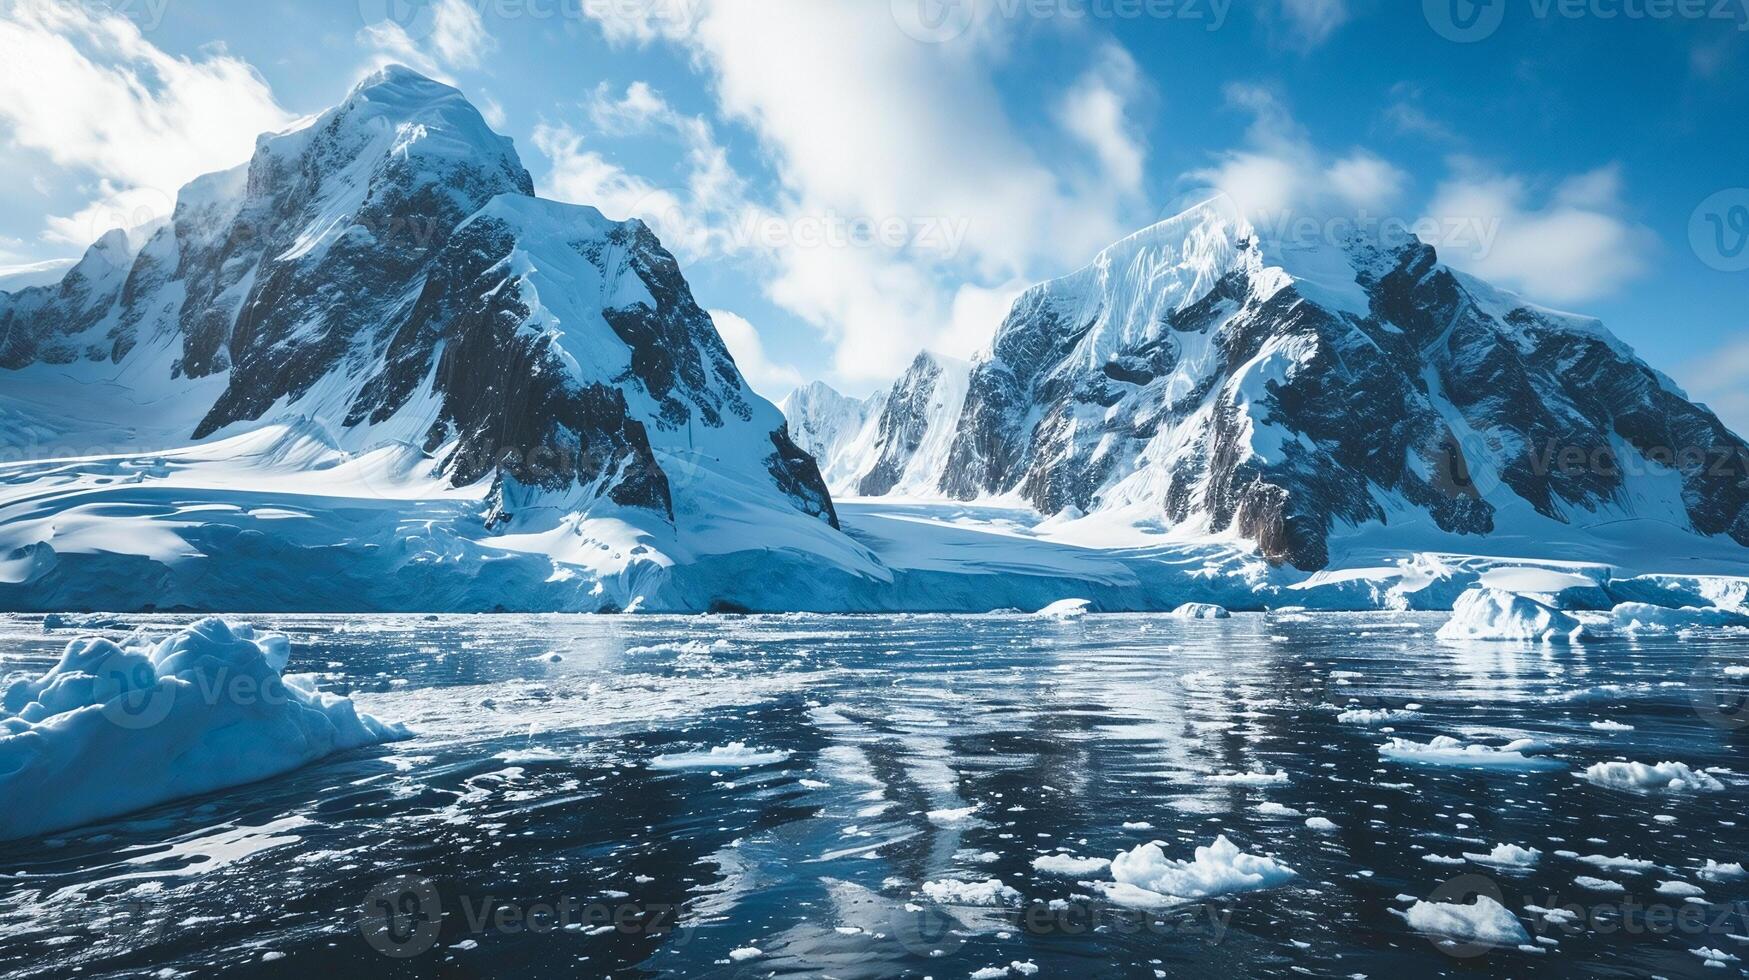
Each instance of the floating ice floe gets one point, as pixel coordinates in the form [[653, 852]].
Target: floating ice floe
[[1598, 884], [1201, 610], [1490, 614], [1065, 609], [1444, 750], [1376, 716], [1321, 824], [1638, 777], [1714, 957], [1719, 873], [1145, 877], [1484, 920], [1639, 617], [1069, 866], [1623, 863], [952, 891], [118, 727], [735, 755], [1679, 889], [1507, 856], [958, 819], [1250, 778]]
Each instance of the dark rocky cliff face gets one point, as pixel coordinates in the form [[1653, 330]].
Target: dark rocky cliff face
[[1249, 405], [369, 271]]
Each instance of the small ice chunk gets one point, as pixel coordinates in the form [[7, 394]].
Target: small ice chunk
[[1607, 863], [1068, 866], [1444, 750], [1598, 884], [735, 755], [1491, 614], [952, 891], [1146, 876], [1716, 872], [1638, 777], [1201, 610], [1508, 856], [1065, 609], [959, 819], [1376, 716], [1679, 889], [1250, 778], [746, 953], [1321, 824], [1483, 920]]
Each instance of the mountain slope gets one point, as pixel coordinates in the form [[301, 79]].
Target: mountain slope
[[901, 437], [1197, 379], [383, 277]]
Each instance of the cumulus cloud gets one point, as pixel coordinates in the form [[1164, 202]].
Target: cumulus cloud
[[1280, 172], [1572, 245], [703, 213], [87, 90], [771, 379], [887, 130], [1312, 22], [1094, 112], [449, 35]]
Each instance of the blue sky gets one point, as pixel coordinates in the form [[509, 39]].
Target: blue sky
[[848, 181]]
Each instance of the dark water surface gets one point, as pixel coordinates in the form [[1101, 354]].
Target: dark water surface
[[547, 822]]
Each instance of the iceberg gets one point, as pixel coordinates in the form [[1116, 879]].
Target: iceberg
[[1146, 877], [117, 727], [1638, 777], [1491, 614]]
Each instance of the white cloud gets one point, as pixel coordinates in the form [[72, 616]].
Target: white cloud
[[1281, 173], [1314, 21], [459, 35], [702, 214], [1575, 246], [886, 129], [769, 379], [447, 36], [1094, 112], [86, 89]]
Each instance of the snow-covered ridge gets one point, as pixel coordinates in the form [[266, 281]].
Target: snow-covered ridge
[[382, 280], [894, 443], [1311, 397]]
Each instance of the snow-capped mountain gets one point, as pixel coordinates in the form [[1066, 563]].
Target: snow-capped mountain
[[1199, 379], [824, 422], [901, 437], [382, 277]]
